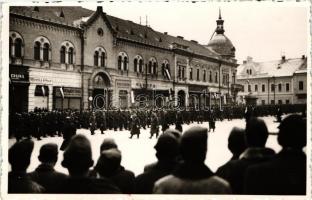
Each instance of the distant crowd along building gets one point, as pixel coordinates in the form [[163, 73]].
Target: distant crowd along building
[[281, 81], [72, 57]]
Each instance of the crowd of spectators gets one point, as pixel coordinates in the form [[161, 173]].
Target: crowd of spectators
[[180, 166]]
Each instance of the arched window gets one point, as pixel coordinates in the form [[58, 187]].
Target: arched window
[[10, 47], [154, 68], [18, 48], [163, 68], [103, 59], [204, 76], [96, 58], [62, 52], [119, 62], [125, 64], [210, 76], [216, 77], [191, 73], [141, 65], [71, 55], [135, 64], [37, 50], [197, 76], [46, 48], [150, 67]]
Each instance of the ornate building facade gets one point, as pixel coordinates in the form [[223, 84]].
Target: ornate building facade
[[281, 81], [71, 57]]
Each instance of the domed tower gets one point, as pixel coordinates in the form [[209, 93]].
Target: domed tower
[[219, 43]]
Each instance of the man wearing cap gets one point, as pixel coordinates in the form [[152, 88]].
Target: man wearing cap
[[18, 179], [78, 160], [45, 173], [285, 174], [167, 150], [192, 176]]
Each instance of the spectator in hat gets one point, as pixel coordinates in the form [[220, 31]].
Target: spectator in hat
[[256, 152], [108, 166], [237, 145], [167, 150], [78, 160], [192, 176], [19, 159], [45, 174], [285, 174]]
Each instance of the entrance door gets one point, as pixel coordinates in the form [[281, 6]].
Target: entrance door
[[99, 99], [18, 97]]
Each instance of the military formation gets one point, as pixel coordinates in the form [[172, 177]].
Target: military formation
[[43, 123]]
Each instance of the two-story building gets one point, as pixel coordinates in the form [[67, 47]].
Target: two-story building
[[72, 57]]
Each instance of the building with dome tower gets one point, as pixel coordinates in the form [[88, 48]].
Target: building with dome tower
[[72, 57]]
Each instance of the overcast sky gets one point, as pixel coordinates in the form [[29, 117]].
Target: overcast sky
[[264, 31]]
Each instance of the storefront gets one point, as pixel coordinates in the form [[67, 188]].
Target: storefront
[[18, 88], [198, 96], [67, 98]]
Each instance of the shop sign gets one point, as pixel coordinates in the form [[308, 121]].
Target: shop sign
[[19, 75], [68, 92], [123, 84], [40, 80], [193, 88]]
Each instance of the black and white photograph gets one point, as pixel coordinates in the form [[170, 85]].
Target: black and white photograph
[[155, 98]]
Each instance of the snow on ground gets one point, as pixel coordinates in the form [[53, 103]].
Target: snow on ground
[[138, 152]]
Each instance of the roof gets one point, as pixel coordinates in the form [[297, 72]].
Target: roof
[[222, 45], [276, 68], [125, 29]]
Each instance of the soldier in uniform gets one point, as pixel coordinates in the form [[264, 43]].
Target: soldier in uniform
[[164, 121], [68, 132], [154, 125], [135, 127], [279, 114], [101, 121], [179, 121], [212, 121], [92, 122]]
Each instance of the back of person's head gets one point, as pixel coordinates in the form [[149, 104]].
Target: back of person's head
[[256, 132], [78, 155], [108, 143], [108, 162], [48, 153], [20, 154], [193, 145], [292, 132], [237, 141], [167, 147], [174, 132]]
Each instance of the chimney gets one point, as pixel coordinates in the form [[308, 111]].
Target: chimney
[[194, 41], [244, 62], [181, 37], [99, 9], [303, 57], [283, 58], [166, 33]]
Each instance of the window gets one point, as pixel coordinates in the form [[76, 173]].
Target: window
[[287, 101], [204, 76], [233, 78], [96, 58], [300, 85], [249, 88], [46, 48], [197, 77], [262, 102], [141, 65], [263, 88], [18, 48], [280, 102], [183, 72], [272, 87], [119, 62], [287, 87], [37, 50], [256, 88], [154, 68], [272, 102], [210, 76], [163, 69], [191, 73], [179, 72], [150, 67], [10, 47], [125, 64], [135, 65], [62, 52], [103, 59], [279, 87], [216, 77]]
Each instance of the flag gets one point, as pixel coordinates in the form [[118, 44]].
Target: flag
[[62, 92], [168, 74], [224, 99], [132, 96], [43, 90]]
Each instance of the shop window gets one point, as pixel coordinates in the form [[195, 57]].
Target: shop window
[[37, 50], [123, 99], [62, 52], [41, 90], [46, 48], [18, 48]]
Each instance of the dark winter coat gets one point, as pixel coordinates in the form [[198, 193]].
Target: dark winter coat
[[21, 183]]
